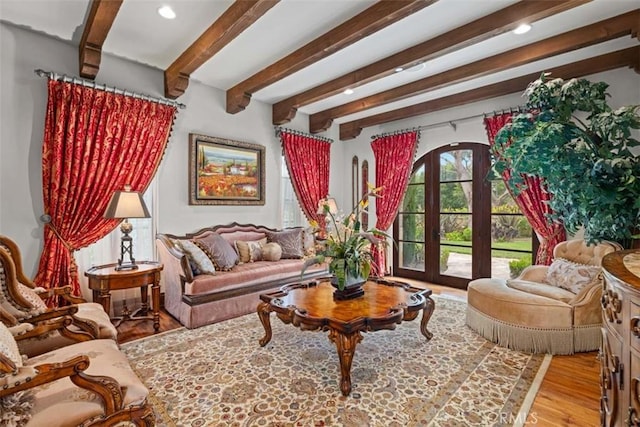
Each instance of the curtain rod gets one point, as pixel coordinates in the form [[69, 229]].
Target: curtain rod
[[279, 130], [90, 83], [397, 132], [452, 123]]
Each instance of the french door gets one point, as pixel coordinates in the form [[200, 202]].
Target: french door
[[455, 224]]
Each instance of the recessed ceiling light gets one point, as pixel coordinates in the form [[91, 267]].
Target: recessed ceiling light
[[166, 12], [522, 28], [348, 91], [399, 69]]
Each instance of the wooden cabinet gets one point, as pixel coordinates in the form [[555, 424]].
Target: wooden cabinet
[[620, 351]]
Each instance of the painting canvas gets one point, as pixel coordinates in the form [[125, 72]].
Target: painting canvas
[[225, 172]]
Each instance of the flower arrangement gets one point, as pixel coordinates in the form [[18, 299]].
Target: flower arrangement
[[346, 246]]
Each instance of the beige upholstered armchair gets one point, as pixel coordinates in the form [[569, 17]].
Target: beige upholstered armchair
[[88, 383], [23, 302], [547, 309]]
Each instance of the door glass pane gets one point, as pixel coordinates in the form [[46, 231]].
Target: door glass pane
[[456, 165], [413, 199], [411, 227], [411, 256], [511, 234], [456, 197], [455, 245], [418, 176]]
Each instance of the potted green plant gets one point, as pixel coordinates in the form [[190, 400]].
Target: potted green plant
[[348, 248], [582, 149]]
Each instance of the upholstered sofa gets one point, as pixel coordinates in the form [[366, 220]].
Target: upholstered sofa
[[197, 293], [547, 309]]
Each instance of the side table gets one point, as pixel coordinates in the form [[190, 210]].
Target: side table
[[105, 278]]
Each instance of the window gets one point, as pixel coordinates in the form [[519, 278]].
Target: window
[[292, 215]]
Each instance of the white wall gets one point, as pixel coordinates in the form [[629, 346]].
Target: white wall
[[22, 107]]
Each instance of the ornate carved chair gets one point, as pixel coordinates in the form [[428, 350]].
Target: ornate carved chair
[[88, 383], [547, 309], [23, 303]]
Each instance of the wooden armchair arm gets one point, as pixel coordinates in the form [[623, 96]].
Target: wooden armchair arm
[[6, 364], [60, 324], [51, 314], [87, 326], [107, 388], [62, 291]]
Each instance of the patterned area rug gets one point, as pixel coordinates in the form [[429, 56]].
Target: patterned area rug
[[218, 375]]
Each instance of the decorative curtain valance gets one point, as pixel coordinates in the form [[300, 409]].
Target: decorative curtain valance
[[95, 142], [532, 200], [307, 158], [394, 154]]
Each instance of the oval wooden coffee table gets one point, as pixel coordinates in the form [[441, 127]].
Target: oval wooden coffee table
[[310, 306]]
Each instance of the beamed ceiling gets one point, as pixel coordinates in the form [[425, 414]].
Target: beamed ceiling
[[301, 55]]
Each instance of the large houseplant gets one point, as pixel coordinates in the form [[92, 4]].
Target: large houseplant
[[582, 149], [347, 247]]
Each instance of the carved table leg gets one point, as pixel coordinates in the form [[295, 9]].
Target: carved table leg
[[263, 313], [155, 299], [427, 311], [346, 346]]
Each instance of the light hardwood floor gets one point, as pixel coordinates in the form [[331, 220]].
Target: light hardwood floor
[[569, 394]]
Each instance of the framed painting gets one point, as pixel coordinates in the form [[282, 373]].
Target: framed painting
[[225, 172]]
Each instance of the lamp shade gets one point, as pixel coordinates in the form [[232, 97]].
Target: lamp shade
[[330, 202], [126, 204]]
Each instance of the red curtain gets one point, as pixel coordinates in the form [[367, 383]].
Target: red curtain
[[532, 201], [394, 156], [94, 143], [307, 159]]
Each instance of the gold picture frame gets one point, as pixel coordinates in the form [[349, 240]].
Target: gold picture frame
[[225, 172]]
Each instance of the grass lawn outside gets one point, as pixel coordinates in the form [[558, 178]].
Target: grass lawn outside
[[522, 244]]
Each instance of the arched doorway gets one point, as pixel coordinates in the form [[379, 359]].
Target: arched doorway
[[456, 224]]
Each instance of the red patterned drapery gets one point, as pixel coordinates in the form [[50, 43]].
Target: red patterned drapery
[[307, 159], [94, 143], [394, 156], [532, 201]]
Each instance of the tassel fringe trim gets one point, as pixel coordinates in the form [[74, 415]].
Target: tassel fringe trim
[[534, 340]]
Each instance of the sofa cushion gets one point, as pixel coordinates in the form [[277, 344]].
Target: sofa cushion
[[541, 289], [291, 241], [250, 251], [199, 261], [271, 252], [572, 276], [219, 250]]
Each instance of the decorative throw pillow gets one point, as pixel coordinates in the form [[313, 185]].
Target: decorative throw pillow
[[198, 259], [271, 251], [572, 276], [290, 240], [219, 250], [9, 347], [32, 297], [250, 251]]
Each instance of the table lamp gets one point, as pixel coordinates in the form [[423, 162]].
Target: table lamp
[[124, 205]]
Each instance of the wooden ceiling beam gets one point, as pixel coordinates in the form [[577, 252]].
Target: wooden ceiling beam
[[375, 18], [237, 18], [101, 16], [469, 34], [599, 32], [623, 58]]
